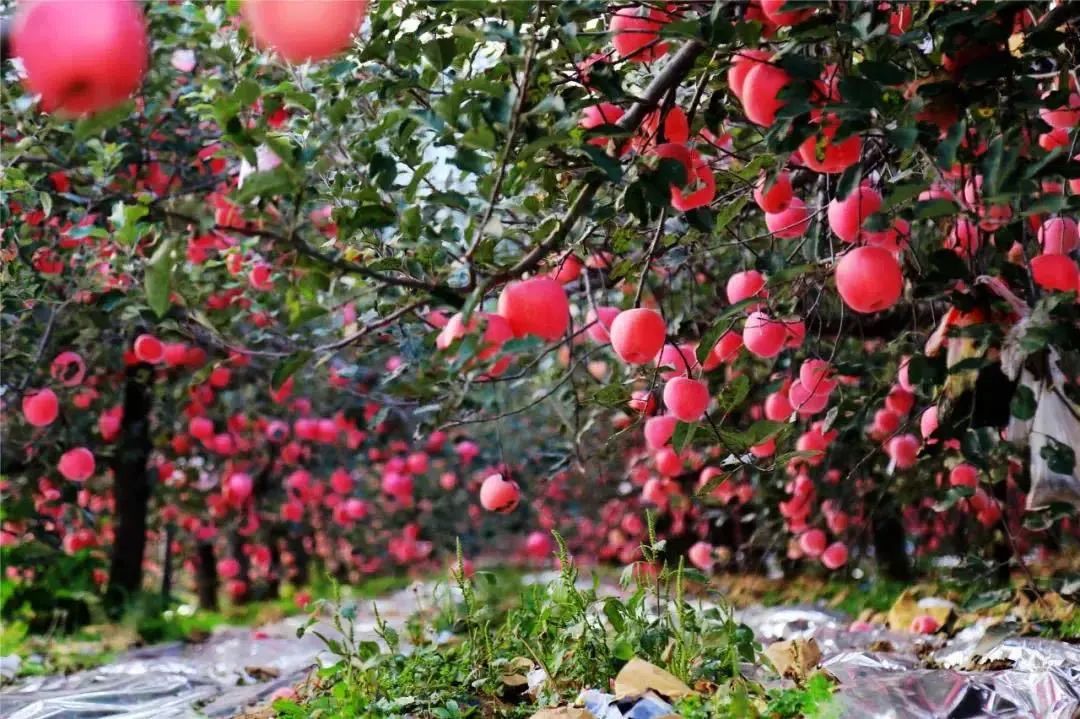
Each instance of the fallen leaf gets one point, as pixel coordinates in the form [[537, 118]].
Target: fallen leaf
[[795, 658], [907, 607], [263, 674], [639, 676]]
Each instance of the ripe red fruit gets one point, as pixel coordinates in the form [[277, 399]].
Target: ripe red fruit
[[763, 335], [1064, 117], [928, 423], [658, 431], [700, 555], [699, 177], [68, 369], [260, 277], [175, 354], [536, 306], [77, 464], [1059, 236], [847, 216], [538, 545], [790, 223], [760, 92], [228, 568], [900, 400], [496, 333], [356, 509], [741, 65], [606, 113], [219, 377], [600, 323], [499, 495], [964, 475], [744, 285], [816, 375], [309, 30], [822, 153], [686, 399], [775, 197], [869, 279], [835, 555], [785, 18], [964, 238], [885, 422], [727, 347], [682, 359], [201, 428], [40, 407], [924, 624], [813, 542], [1055, 272], [777, 407], [81, 56], [668, 462], [635, 33], [238, 488], [805, 401], [903, 450], [637, 335], [149, 349]]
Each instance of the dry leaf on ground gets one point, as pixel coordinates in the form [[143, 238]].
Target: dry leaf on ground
[[639, 676], [795, 658]]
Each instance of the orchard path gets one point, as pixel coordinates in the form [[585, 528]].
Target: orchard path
[[881, 673]]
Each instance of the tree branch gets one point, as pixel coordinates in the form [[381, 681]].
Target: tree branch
[[672, 74]]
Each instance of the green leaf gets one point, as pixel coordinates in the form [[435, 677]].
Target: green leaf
[[288, 368], [758, 432], [977, 444], [706, 489], [1060, 457], [849, 181], [265, 184], [97, 124], [157, 277], [883, 72], [901, 193], [125, 218], [247, 91], [946, 149], [935, 208], [728, 212], [683, 435], [1022, 405], [733, 394], [954, 495], [613, 395]]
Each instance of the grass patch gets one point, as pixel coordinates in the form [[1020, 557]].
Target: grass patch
[[472, 653]]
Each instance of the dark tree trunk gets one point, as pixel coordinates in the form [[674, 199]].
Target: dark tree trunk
[[166, 566], [889, 550], [206, 577], [131, 488]]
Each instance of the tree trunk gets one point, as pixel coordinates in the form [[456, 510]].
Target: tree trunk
[[273, 578], [166, 566], [131, 488], [206, 577], [889, 550]]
